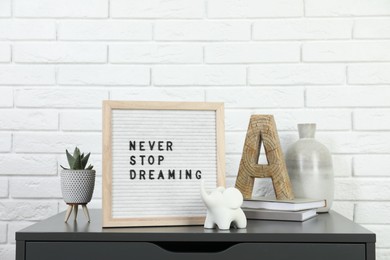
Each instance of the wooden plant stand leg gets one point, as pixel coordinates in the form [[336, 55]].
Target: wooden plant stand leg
[[76, 209], [262, 129], [68, 212], [86, 213]]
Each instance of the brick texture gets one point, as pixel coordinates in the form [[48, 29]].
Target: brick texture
[[199, 75], [336, 8], [6, 97], [296, 74], [156, 53], [375, 96], [157, 9], [56, 142], [159, 94], [257, 97], [60, 98], [371, 165], [368, 74], [372, 28], [5, 53], [371, 119], [303, 61], [27, 30], [346, 51], [3, 233], [25, 75], [37, 187], [61, 8], [27, 210], [252, 53], [5, 8], [202, 30], [3, 187], [60, 53], [302, 29], [28, 164], [98, 75], [5, 142], [94, 30], [11, 119], [254, 8]]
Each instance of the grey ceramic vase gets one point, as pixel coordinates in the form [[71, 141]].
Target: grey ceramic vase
[[309, 165], [77, 186]]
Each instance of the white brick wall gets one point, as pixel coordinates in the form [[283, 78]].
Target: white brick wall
[[199, 75], [5, 53], [254, 8], [348, 51], [60, 97], [306, 74], [156, 53], [3, 187], [301, 60], [6, 97], [337, 8], [61, 8], [59, 53], [372, 28], [202, 31], [95, 30], [12, 119], [302, 29], [36, 187], [27, 164], [87, 120], [27, 29], [3, 233], [369, 74], [156, 9], [27, 75], [103, 75], [5, 8], [252, 53], [5, 142]]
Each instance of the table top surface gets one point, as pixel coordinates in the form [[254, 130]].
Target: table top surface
[[327, 227]]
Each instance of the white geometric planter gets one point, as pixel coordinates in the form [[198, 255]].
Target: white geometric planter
[[77, 186]]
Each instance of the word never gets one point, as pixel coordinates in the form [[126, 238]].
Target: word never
[[151, 145]]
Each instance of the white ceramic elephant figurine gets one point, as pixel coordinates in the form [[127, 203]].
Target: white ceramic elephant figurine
[[223, 208]]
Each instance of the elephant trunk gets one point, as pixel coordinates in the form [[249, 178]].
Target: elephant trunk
[[205, 195]]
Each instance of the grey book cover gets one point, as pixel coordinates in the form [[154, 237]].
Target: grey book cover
[[280, 215]]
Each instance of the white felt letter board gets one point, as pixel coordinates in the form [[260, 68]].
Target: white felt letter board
[[155, 155]]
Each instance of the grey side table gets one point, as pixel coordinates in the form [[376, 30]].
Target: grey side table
[[328, 236]]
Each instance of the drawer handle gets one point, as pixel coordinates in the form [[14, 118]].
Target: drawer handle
[[195, 247]]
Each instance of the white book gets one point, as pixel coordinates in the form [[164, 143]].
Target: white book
[[284, 205], [280, 215]]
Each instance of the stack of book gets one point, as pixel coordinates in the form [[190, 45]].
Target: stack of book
[[287, 210]]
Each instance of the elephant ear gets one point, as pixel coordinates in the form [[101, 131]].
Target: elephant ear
[[233, 198]]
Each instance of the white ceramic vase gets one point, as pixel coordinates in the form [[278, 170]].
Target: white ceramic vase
[[77, 186], [309, 165]]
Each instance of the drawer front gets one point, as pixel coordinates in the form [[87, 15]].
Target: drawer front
[[191, 251]]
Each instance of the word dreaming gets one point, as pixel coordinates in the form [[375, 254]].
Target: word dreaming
[[156, 174]]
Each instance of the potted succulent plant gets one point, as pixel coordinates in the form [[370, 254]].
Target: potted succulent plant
[[77, 183]]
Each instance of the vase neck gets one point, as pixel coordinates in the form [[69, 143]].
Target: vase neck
[[307, 130]]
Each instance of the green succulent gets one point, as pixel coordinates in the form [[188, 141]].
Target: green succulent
[[77, 161]]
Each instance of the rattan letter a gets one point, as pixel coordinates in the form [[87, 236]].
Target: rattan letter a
[[262, 129]]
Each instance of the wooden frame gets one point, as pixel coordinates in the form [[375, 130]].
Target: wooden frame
[[114, 112]]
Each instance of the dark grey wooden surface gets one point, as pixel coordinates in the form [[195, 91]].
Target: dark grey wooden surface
[[146, 250], [328, 236], [328, 227]]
